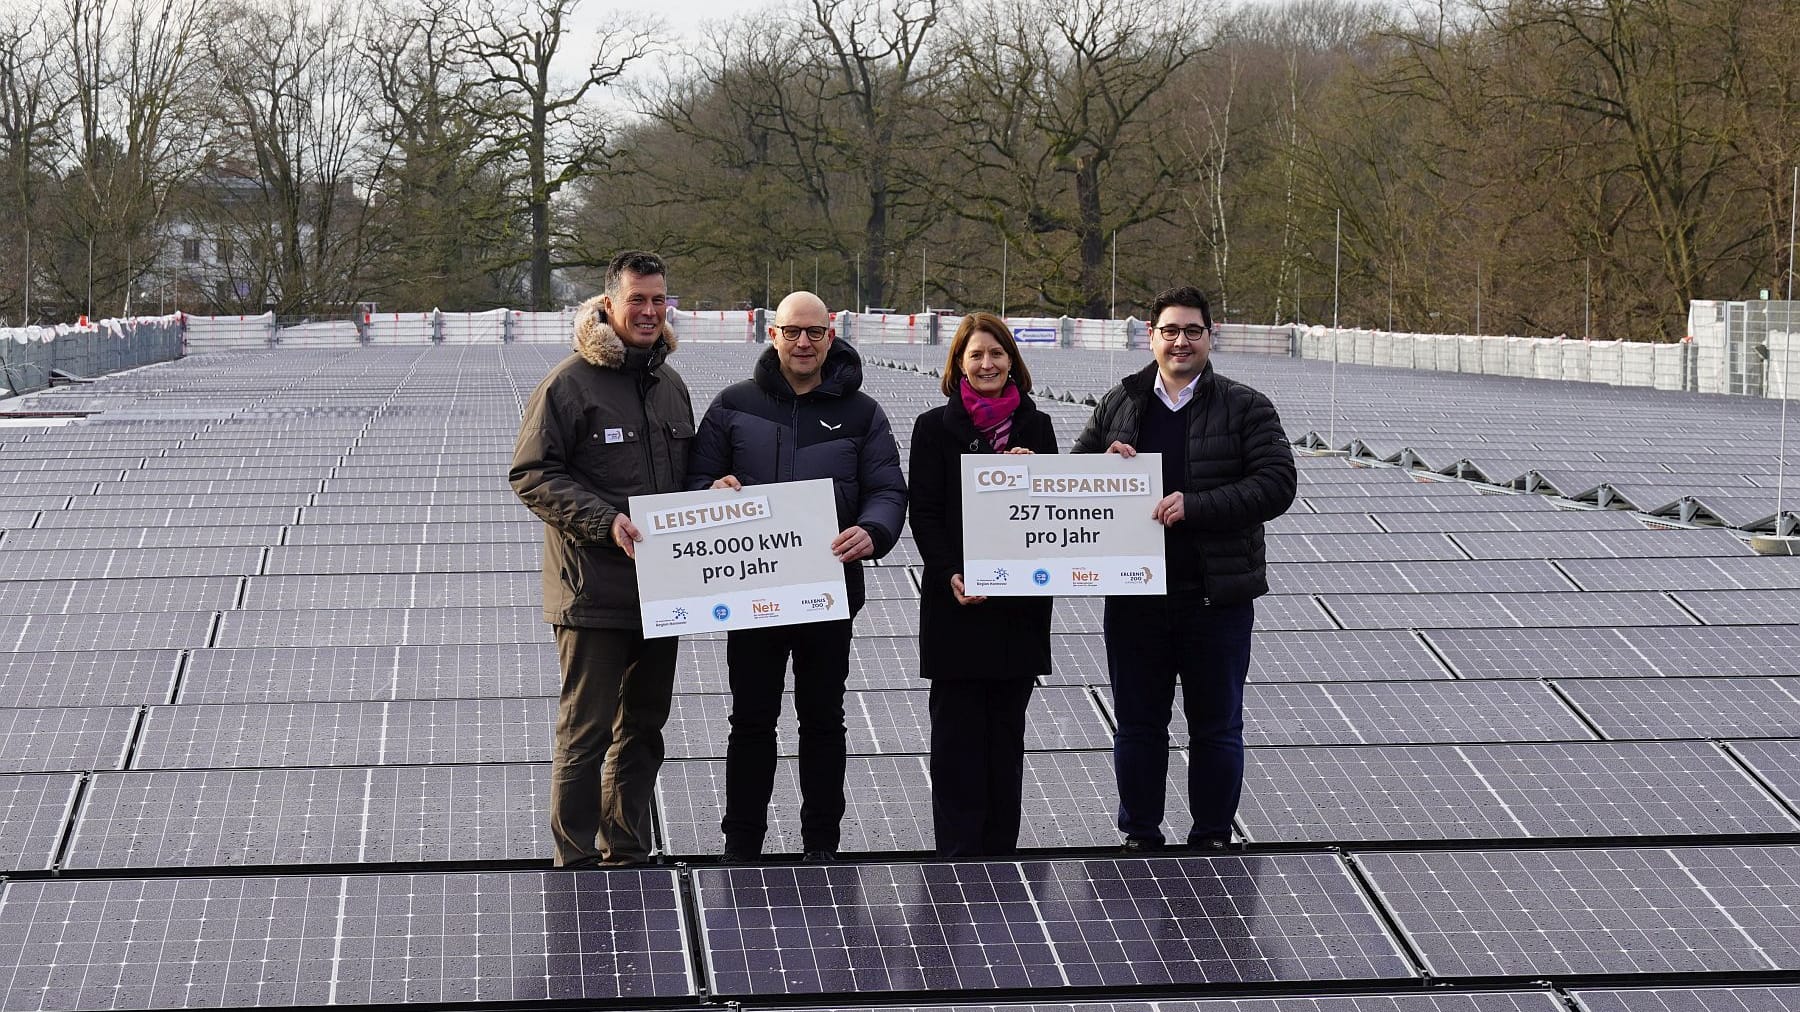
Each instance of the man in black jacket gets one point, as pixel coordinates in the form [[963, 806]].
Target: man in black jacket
[[802, 415], [611, 421], [1227, 469]]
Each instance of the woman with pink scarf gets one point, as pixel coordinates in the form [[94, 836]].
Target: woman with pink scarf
[[982, 655]]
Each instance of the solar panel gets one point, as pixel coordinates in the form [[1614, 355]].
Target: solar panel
[[197, 517], [406, 513], [1336, 548], [1640, 543], [326, 560], [1494, 792], [1349, 713], [33, 811], [385, 814], [964, 927], [888, 806], [894, 617], [1071, 799], [215, 736], [390, 590], [88, 677], [461, 533], [1776, 762], [1689, 707], [1512, 520], [1742, 607], [1233, 919], [1077, 615], [1550, 913], [1466, 611], [382, 626], [1290, 612], [122, 563], [898, 722], [106, 631], [1315, 524], [1674, 650], [342, 939], [294, 674], [1699, 999], [1510, 576], [1454, 1001], [88, 597], [1358, 655], [65, 738]]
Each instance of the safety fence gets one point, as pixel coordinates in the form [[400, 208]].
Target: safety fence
[[1620, 363], [33, 358]]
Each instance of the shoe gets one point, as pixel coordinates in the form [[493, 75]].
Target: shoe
[[1141, 845], [818, 857], [1211, 845], [738, 856]]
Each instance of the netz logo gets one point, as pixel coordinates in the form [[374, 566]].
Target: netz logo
[[1084, 578], [764, 608], [1041, 577], [676, 617], [821, 603], [721, 612], [1000, 578]]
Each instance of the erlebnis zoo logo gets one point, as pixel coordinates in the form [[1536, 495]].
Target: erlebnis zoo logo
[[823, 602], [1041, 577], [721, 613], [1138, 577]]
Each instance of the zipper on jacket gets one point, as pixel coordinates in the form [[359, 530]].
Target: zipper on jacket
[[649, 454]]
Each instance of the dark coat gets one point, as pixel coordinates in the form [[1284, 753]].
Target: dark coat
[[608, 423], [1002, 637], [760, 432], [1240, 473]]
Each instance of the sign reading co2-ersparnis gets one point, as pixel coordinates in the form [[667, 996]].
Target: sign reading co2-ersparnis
[[723, 559], [1068, 525]]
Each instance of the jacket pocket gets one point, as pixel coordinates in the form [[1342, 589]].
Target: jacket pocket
[[612, 460]]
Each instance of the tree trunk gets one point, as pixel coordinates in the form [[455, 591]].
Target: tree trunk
[[1095, 290]]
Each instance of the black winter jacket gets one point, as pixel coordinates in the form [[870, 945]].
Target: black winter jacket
[[608, 423], [1002, 637], [1240, 473], [760, 432]]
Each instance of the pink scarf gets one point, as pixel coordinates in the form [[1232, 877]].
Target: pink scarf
[[992, 415]]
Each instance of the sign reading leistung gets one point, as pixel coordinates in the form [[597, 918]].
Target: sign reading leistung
[[721, 559], [1067, 525]]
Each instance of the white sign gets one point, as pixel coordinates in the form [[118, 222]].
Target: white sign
[[722, 559], [1036, 335], [1062, 525]]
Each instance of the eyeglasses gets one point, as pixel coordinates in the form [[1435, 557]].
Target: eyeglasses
[[1191, 332], [813, 335]]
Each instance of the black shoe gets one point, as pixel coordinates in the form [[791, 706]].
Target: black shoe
[[1141, 845], [737, 856], [818, 857], [1211, 844]]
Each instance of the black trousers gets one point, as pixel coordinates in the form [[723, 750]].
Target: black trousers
[[615, 700], [757, 662], [1151, 643], [977, 764]]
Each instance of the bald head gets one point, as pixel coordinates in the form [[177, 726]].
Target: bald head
[[802, 336], [802, 309]]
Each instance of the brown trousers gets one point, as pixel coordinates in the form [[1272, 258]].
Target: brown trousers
[[609, 745]]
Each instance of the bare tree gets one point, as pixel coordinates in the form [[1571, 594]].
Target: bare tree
[[553, 126], [33, 104]]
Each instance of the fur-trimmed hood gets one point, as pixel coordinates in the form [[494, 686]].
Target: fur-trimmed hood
[[599, 344]]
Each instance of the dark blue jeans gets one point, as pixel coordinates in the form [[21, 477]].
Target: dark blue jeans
[[1151, 643]]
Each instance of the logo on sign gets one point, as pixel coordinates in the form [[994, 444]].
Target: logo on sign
[[1001, 479], [1041, 577], [1084, 578], [765, 608], [721, 613], [821, 603], [676, 618], [1139, 577]]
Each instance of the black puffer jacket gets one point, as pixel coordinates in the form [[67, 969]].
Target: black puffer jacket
[[1240, 473], [608, 423], [1002, 637], [759, 431]]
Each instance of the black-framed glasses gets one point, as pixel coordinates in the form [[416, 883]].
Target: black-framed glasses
[[1193, 332], [792, 334]]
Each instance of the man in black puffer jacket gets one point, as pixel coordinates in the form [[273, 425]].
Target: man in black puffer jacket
[[1227, 469], [802, 415]]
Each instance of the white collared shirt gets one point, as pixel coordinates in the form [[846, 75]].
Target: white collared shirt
[[1176, 402]]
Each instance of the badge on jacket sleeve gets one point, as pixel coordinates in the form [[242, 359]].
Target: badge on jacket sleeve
[[615, 435]]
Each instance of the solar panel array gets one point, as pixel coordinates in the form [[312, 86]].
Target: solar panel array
[[276, 705]]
